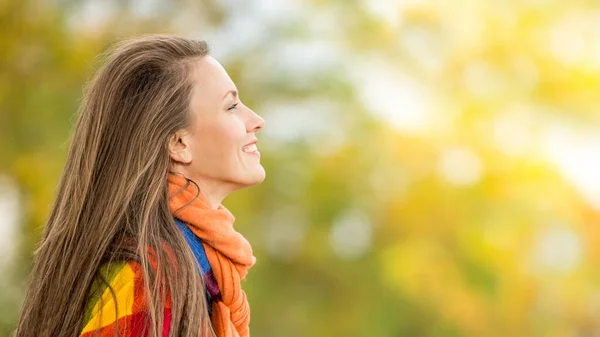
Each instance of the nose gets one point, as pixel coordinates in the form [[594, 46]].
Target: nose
[[256, 123]]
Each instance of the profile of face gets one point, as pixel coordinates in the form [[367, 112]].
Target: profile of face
[[218, 150]]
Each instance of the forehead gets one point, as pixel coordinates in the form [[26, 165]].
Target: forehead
[[210, 78]]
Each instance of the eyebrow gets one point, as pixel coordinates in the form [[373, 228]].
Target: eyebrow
[[233, 92]]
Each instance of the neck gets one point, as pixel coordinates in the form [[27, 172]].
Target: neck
[[214, 199], [214, 191]]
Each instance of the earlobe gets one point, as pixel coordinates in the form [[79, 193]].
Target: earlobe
[[179, 150]]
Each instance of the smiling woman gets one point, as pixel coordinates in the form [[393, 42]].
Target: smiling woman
[[137, 242], [221, 136]]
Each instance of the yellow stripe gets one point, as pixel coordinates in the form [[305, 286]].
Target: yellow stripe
[[104, 312]]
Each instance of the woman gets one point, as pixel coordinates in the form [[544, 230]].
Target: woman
[[137, 242]]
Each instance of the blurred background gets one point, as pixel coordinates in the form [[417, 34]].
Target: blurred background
[[433, 167]]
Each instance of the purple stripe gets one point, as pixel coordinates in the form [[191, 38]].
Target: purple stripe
[[211, 284]]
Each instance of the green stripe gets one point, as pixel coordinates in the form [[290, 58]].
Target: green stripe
[[109, 271]]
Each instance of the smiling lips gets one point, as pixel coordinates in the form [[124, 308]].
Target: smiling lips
[[251, 149]]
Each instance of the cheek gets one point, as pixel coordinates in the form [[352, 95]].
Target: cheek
[[219, 140]]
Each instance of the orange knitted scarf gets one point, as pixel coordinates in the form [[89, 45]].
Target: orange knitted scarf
[[228, 252]]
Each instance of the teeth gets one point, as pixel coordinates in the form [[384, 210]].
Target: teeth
[[250, 148]]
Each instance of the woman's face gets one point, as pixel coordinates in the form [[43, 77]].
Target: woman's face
[[218, 150]]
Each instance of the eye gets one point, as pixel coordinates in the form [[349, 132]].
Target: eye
[[232, 106]]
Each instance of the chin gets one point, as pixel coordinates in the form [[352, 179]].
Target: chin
[[258, 177], [253, 178]]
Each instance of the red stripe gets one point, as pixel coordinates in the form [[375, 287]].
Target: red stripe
[[132, 326]]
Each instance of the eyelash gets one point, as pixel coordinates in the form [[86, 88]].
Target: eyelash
[[233, 106]]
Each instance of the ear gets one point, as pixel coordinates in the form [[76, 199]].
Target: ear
[[179, 147]]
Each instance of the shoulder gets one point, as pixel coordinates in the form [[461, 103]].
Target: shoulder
[[119, 304]]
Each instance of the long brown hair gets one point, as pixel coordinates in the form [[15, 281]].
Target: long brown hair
[[112, 201]]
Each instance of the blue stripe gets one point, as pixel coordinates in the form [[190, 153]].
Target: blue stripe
[[200, 254], [195, 245]]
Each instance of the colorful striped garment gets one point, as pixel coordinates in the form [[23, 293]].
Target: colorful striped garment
[[126, 279]]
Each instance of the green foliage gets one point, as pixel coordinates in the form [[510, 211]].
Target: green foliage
[[364, 227]]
